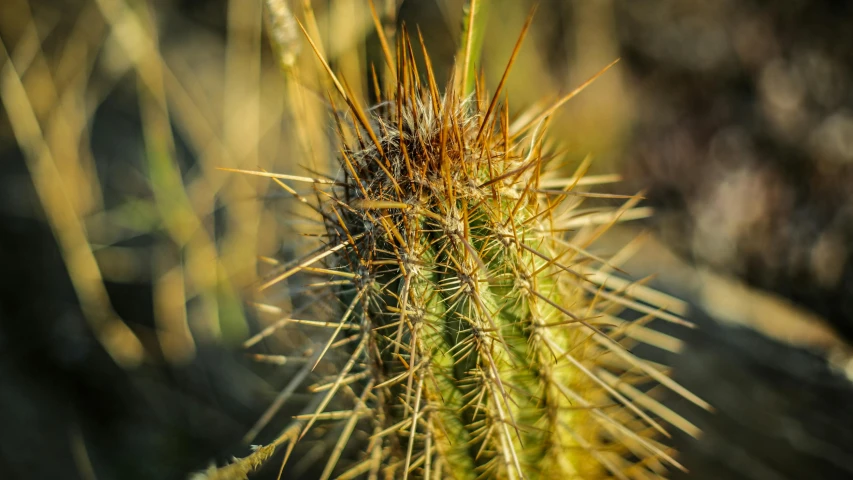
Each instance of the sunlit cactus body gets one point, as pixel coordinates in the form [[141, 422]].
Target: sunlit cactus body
[[470, 342], [462, 305]]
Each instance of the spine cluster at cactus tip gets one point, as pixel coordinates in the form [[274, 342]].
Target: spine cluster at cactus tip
[[477, 335]]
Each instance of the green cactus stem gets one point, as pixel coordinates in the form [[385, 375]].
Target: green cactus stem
[[471, 341]]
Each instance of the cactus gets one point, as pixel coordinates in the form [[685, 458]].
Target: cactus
[[472, 341]]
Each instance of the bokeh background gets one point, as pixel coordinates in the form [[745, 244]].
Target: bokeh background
[[128, 259]]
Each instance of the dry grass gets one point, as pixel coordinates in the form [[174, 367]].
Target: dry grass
[[200, 270]]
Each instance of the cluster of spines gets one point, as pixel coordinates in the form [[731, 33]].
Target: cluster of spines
[[476, 345]]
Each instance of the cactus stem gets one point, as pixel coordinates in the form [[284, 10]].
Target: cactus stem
[[484, 337]]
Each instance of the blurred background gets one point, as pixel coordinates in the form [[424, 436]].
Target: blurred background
[[128, 259]]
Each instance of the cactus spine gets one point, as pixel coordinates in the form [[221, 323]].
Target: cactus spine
[[475, 345]]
